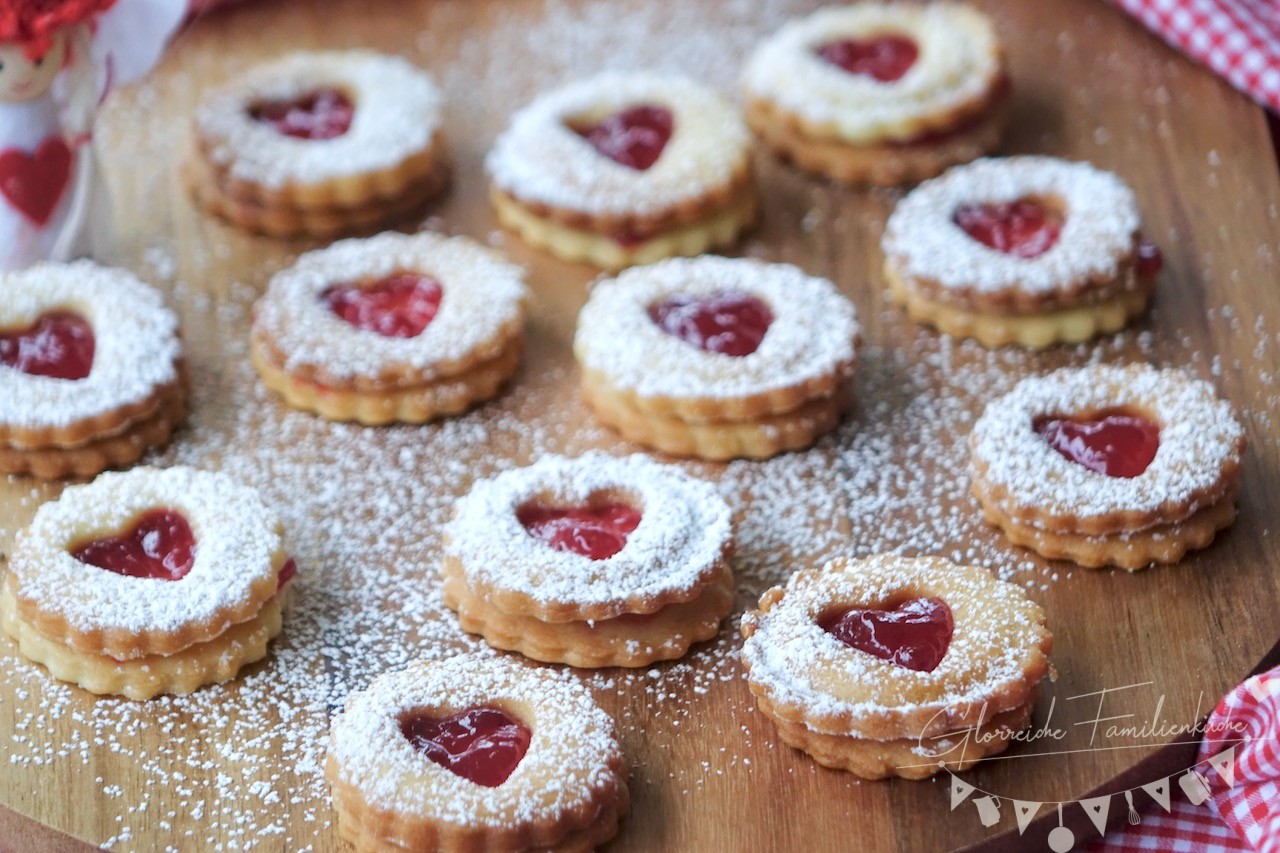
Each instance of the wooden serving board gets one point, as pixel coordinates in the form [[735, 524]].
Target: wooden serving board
[[237, 766]]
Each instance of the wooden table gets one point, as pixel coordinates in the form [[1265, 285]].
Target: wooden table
[[364, 506]]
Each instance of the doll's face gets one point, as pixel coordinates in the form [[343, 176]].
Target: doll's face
[[24, 79]]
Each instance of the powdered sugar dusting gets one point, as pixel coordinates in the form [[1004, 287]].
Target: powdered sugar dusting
[[135, 335], [814, 332], [683, 532]]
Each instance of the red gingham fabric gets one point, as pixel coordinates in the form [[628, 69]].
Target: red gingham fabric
[[1251, 806], [1238, 39], [1242, 817]]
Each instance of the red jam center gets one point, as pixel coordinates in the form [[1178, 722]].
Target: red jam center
[[160, 546], [1117, 444], [728, 322], [1022, 228], [59, 345], [322, 114], [594, 532], [483, 745], [287, 571], [1150, 259], [914, 635], [634, 137], [885, 58], [399, 306]]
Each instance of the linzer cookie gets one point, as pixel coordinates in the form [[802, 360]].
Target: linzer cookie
[[1028, 251], [595, 561], [891, 666], [624, 169], [475, 753], [393, 328], [147, 582], [91, 373], [1120, 466], [319, 144], [880, 93], [718, 358]]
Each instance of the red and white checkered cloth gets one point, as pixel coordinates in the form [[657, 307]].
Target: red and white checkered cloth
[[1239, 39], [1244, 816]]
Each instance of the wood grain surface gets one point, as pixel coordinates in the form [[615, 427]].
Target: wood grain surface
[[234, 767]]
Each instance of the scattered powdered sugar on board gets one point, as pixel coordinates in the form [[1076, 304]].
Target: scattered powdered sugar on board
[[363, 509]]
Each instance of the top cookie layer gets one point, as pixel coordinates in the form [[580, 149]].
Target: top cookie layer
[[1099, 228], [541, 158], [397, 112], [136, 346], [959, 65], [813, 334]]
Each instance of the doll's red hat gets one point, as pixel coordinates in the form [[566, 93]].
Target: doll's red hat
[[33, 23]]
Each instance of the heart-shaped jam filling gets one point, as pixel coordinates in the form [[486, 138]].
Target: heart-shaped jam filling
[[483, 745], [1150, 259], [160, 545], [884, 58], [597, 532], [58, 345], [634, 137], [915, 634], [1024, 228], [322, 114], [1117, 443], [728, 322], [399, 306]]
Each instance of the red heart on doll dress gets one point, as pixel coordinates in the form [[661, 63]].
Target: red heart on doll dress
[[34, 183]]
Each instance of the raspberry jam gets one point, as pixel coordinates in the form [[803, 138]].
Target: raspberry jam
[[1023, 228], [58, 345], [483, 745], [399, 306], [594, 532], [1118, 444], [287, 571], [634, 137], [160, 545], [318, 115], [914, 635], [884, 58], [728, 322], [1150, 259]]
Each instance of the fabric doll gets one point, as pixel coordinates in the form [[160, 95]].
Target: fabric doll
[[58, 60]]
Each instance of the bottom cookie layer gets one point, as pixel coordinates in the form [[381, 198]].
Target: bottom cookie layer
[[318, 222], [1166, 543], [206, 663], [757, 439], [720, 228], [630, 640], [451, 396], [907, 758], [875, 165], [1032, 331], [97, 455], [371, 831]]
